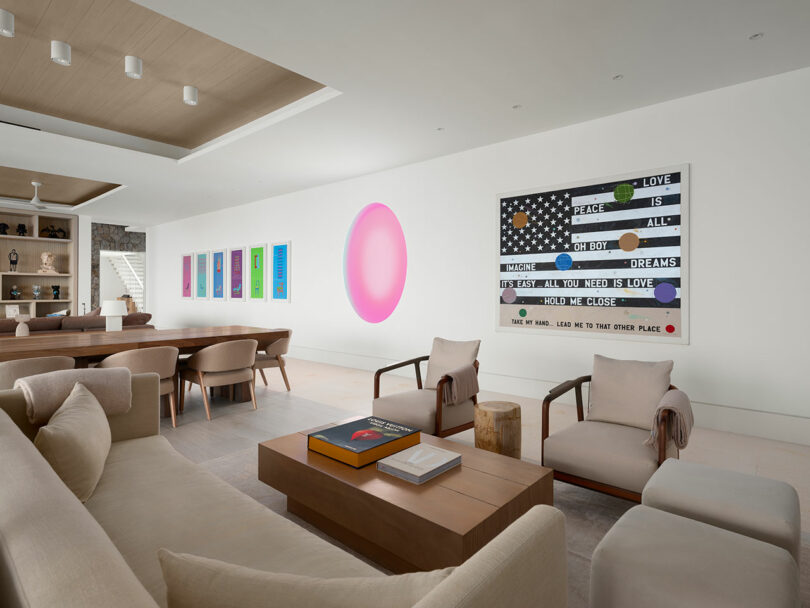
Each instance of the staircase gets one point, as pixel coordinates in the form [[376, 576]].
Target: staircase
[[130, 269]]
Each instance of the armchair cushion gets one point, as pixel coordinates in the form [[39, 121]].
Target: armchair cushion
[[608, 453], [627, 392], [448, 355], [418, 409]]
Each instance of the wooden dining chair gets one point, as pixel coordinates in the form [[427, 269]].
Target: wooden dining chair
[[222, 364], [273, 356], [161, 360]]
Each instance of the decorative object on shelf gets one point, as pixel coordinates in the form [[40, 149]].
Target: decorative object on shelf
[[14, 293], [60, 233], [56, 291], [12, 310], [114, 310], [37, 291], [49, 232], [13, 258], [3, 228], [22, 327], [22, 230], [46, 265]]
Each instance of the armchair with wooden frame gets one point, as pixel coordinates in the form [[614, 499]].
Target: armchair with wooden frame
[[424, 408], [605, 450]]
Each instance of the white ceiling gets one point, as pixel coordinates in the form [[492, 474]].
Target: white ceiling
[[405, 68]]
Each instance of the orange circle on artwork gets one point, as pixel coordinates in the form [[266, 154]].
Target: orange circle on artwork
[[520, 219], [628, 241]]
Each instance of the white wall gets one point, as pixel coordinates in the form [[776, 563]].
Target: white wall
[[110, 285], [749, 149]]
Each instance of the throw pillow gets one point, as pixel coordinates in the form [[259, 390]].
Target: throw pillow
[[76, 441], [446, 356], [627, 392], [136, 318], [199, 582]]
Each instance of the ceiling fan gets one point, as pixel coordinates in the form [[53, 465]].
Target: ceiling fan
[[35, 201]]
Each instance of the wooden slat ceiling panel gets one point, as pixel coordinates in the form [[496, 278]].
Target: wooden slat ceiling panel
[[16, 183], [235, 86]]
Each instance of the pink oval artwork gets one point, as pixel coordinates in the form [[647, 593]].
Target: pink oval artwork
[[375, 263]]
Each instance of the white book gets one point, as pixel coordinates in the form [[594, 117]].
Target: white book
[[419, 463]]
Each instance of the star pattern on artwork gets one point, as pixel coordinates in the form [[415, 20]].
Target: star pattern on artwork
[[547, 229]]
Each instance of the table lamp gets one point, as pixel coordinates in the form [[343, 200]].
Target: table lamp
[[113, 310]]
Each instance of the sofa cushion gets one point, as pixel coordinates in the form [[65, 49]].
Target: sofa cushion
[[84, 322], [76, 441], [8, 326], [449, 355], [608, 453], [52, 551], [136, 318], [151, 497], [45, 323], [627, 392], [762, 508], [653, 558], [198, 582], [418, 409]]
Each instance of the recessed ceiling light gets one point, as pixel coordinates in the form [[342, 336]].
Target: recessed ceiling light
[[757, 36], [133, 67], [6, 23], [440, 128], [60, 52], [517, 106], [618, 77], [190, 95]]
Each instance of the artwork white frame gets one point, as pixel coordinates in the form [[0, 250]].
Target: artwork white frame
[[192, 276], [249, 268], [271, 251], [224, 253], [230, 274], [197, 255], [684, 169]]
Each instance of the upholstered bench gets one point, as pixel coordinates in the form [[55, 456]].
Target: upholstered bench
[[654, 558], [761, 508]]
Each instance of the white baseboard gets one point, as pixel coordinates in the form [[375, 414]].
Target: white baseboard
[[780, 427]]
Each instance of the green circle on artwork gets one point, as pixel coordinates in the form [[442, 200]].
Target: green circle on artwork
[[623, 192], [522, 312]]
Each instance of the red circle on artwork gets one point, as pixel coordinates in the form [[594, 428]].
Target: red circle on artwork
[[670, 328]]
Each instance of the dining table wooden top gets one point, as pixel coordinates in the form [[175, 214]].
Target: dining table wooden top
[[94, 344]]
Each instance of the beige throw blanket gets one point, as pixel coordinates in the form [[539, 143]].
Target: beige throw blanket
[[462, 386], [45, 393], [681, 418]]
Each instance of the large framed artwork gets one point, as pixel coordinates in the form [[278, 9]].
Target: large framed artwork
[[236, 264], [202, 273], [605, 256], [258, 272], [218, 274], [187, 276], [281, 272]]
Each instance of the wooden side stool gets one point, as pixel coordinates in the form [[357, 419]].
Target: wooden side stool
[[497, 427]]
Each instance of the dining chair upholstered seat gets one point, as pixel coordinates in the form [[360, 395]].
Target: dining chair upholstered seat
[[10, 371], [161, 360], [272, 355], [222, 364]]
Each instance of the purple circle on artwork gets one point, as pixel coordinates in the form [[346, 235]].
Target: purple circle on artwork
[[509, 295], [665, 292]]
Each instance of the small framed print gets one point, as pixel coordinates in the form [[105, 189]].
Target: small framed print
[[281, 272], [203, 273], [219, 266], [258, 272], [187, 276], [236, 273]]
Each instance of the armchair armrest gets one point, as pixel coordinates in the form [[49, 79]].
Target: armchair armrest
[[667, 416], [415, 362], [555, 393], [440, 398]]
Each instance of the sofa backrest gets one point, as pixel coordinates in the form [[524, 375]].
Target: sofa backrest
[[52, 551], [142, 419]]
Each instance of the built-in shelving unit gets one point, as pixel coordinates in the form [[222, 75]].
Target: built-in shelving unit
[[29, 248]]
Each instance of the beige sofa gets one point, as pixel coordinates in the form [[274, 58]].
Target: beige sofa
[[56, 551]]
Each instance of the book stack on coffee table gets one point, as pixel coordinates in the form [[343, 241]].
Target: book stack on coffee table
[[419, 463], [363, 441]]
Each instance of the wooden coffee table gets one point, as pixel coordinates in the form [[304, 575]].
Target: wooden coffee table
[[402, 526]]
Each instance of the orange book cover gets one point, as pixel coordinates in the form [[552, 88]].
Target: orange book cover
[[364, 441]]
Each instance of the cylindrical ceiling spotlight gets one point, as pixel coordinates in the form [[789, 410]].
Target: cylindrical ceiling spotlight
[[190, 95], [133, 66], [6, 23], [60, 52]]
